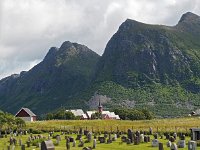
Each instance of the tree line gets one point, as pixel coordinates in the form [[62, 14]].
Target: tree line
[[7, 120], [134, 114]]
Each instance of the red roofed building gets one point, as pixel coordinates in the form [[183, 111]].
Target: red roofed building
[[26, 114]]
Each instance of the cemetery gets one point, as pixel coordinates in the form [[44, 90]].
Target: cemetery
[[138, 137]]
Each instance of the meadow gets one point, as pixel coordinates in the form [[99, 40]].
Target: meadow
[[158, 125]]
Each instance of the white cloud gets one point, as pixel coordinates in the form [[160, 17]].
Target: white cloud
[[28, 28]]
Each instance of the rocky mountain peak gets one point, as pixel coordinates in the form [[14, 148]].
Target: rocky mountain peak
[[189, 17]]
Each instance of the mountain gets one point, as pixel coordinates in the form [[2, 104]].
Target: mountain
[[156, 67], [153, 66], [63, 73], [139, 53]]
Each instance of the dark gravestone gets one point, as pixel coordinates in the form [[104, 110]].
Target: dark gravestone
[[68, 143], [28, 143], [137, 140], [102, 139], [182, 137], [161, 146], [47, 145], [148, 138], [23, 147], [79, 136], [172, 139], [137, 133], [128, 141], [8, 147], [85, 132], [81, 144], [118, 135], [155, 136], [81, 131], [123, 139], [71, 139], [145, 139], [167, 136], [130, 135]]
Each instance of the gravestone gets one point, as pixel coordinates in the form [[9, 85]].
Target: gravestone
[[79, 136], [102, 139], [85, 132], [74, 143], [67, 143], [89, 136], [81, 131], [87, 148], [137, 133], [145, 139], [192, 145], [130, 135], [142, 138], [22, 147], [123, 139], [161, 146], [8, 147], [148, 138], [167, 136], [94, 143], [28, 143], [182, 137], [128, 141], [20, 142], [137, 140], [172, 139], [71, 139], [58, 139], [155, 136], [169, 144], [174, 146], [155, 143], [181, 144], [150, 131], [81, 144], [47, 145], [115, 137], [175, 135]]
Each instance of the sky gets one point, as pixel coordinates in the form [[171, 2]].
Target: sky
[[28, 28]]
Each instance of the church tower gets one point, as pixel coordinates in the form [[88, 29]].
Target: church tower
[[100, 107]]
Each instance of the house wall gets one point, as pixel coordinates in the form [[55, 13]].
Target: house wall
[[27, 118], [34, 118]]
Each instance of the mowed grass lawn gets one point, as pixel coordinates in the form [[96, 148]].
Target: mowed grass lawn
[[161, 125]]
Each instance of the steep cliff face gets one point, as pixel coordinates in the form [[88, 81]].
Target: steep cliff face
[[140, 54], [63, 73]]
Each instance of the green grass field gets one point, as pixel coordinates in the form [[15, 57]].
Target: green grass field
[[160, 125], [116, 145]]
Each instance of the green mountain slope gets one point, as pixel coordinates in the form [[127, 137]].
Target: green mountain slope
[[140, 54], [63, 73]]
